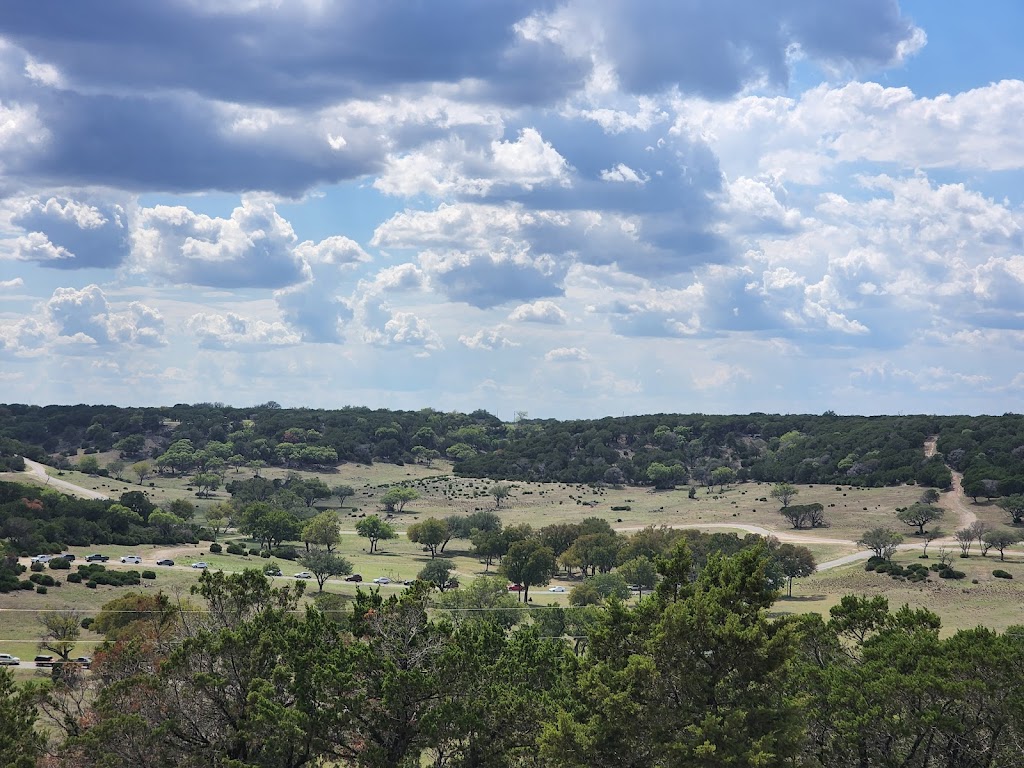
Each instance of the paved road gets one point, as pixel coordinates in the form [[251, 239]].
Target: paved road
[[39, 470]]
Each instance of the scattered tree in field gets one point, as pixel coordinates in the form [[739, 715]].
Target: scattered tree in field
[[322, 531], [930, 496], [344, 492], [664, 476], [964, 538], [528, 563], [430, 533], [88, 464], [1001, 539], [723, 476], [488, 545], [882, 541], [979, 528], [929, 537], [374, 529], [61, 630], [784, 493], [919, 515], [437, 572], [206, 482], [795, 562], [324, 564], [1014, 507], [500, 492], [116, 468], [268, 524], [395, 499], [142, 470], [183, 508], [805, 515], [312, 490]]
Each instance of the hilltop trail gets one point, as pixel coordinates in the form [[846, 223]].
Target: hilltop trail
[[954, 500]]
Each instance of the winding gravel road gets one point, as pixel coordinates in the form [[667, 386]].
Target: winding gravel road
[[39, 470]]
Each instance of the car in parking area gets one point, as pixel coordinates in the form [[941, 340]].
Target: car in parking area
[[382, 580], [515, 587], [43, 661], [303, 575], [200, 564], [165, 561], [132, 559], [83, 661], [354, 577], [67, 556], [96, 557], [42, 558], [7, 660], [556, 589]]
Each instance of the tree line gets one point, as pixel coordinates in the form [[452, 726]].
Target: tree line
[[852, 450]]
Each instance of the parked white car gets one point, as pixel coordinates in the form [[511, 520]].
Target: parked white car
[[132, 559], [304, 575], [382, 580], [556, 589], [6, 660], [200, 565], [42, 558]]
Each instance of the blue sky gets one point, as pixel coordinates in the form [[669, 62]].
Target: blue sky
[[574, 209]]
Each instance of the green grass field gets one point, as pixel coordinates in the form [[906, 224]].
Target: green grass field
[[992, 602]]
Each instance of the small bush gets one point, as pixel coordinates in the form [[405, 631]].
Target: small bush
[[999, 573], [234, 549], [91, 584], [87, 622], [625, 508], [75, 578], [216, 549], [964, 554], [264, 553], [43, 579], [287, 552], [253, 551], [36, 567], [952, 573], [60, 564], [149, 574], [41, 589]]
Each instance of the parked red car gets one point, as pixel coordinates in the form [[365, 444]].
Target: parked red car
[[515, 588]]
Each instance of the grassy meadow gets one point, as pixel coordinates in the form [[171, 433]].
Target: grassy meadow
[[850, 511]]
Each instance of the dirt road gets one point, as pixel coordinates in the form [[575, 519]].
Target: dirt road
[[39, 470]]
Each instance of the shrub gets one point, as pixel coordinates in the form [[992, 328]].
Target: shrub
[[999, 573], [41, 589], [625, 508], [952, 573], [215, 548], [253, 551], [36, 567], [234, 549], [60, 564], [264, 553], [287, 552], [87, 622], [43, 579], [91, 584], [149, 574], [75, 578]]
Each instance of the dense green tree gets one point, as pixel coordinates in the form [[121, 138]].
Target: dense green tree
[[794, 561], [323, 530], [723, 476], [373, 529], [1014, 507], [344, 492], [395, 499], [430, 533], [641, 573], [919, 515], [323, 565], [529, 564], [882, 541], [21, 744], [437, 573]]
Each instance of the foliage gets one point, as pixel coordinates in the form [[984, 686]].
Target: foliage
[[882, 541], [430, 533], [323, 565], [437, 573], [20, 743], [373, 529], [919, 515]]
